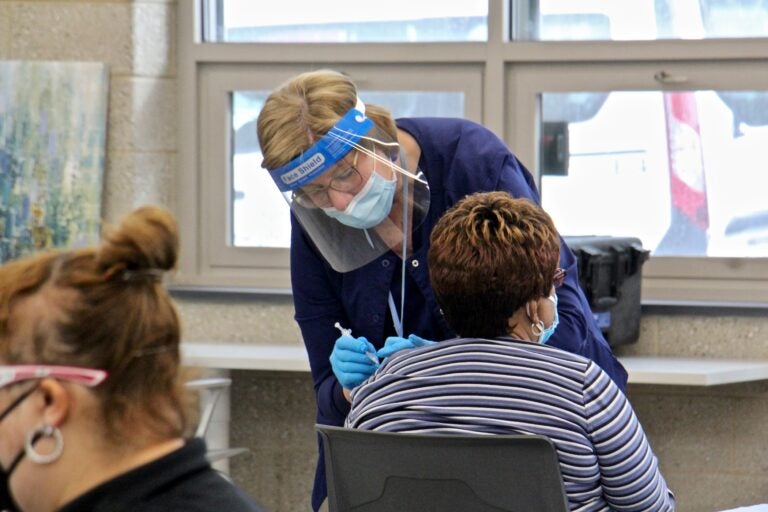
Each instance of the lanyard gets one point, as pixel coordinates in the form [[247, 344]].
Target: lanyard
[[398, 320]]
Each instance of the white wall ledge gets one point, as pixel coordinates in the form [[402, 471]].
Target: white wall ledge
[[690, 371], [232, 356], [682, 371]]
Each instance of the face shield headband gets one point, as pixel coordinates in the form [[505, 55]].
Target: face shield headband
[[373, 181], [324, 153], [332, 147]]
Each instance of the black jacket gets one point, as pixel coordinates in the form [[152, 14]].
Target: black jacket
[[183, 480]]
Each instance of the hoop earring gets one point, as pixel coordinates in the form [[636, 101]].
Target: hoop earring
[[37, 434], [538, 326]]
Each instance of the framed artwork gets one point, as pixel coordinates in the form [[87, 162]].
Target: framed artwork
[[53, 122]]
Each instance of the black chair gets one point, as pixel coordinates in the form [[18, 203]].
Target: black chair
[[379, 471]]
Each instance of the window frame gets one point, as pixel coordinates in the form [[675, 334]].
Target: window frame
[[501, 78], [666, 279]]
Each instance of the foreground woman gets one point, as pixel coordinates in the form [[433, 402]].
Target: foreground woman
[[91, 404]]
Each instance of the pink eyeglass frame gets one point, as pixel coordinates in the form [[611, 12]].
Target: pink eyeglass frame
[[89, 377]]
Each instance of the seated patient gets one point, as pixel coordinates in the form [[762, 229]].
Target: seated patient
[[91, 404], [493, 263]]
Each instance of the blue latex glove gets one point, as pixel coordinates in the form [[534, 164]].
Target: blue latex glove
[[349, 360], [395, 343]]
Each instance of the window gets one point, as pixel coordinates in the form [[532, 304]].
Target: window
[[674, 163], [637, 20], [346, 21], [639, 118]]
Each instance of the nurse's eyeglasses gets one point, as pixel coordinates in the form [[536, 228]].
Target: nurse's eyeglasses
[[557, 280], [345, 179], [86, 376]]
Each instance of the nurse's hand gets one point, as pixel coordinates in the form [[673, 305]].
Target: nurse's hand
[[395, 343], [350, 363]]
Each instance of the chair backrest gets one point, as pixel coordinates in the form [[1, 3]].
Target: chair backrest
[[378, 471], [210, 390]]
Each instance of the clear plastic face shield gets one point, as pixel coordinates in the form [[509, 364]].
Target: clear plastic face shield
[[353, 194]]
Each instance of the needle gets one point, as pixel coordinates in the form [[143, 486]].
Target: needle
[[348, 332]]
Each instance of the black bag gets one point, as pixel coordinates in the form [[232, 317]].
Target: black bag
[[610, 273]]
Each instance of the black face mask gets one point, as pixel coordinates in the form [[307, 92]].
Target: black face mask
[[6, 500]]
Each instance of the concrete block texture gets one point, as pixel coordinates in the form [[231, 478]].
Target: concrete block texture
[[258, 319], [703, 440], [142, 114], [134, 38], [135, 179], [647, 342], [737, 334], [273, 414], [743, 336], [89, 31], [154, 39], [723, 491], [5, 29]]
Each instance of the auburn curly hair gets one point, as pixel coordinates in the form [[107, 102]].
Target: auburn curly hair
[[489, 255]]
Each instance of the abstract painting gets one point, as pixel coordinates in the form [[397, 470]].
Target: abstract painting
[[53, 119]]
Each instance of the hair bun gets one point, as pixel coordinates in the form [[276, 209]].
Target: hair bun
[[145, 239]]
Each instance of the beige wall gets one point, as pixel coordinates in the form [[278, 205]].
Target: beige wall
[[137, 40], [712, 442]]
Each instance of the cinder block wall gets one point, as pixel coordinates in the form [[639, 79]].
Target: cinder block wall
[[137, 40], [712, 442]]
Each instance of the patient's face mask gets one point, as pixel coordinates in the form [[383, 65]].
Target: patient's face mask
[[370, 206], [547, 332]]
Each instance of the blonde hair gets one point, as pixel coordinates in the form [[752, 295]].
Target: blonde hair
[[304, 108], [103, 307]]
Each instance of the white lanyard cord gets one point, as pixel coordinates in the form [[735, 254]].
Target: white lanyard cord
[[395, 319], [399, 320]]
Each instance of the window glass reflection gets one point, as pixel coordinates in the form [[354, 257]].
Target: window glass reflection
[[565, 20], [683, 171], [349, 21]]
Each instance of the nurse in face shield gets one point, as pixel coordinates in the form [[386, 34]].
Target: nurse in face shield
[[352, 194], [92, 406], [365, 190]]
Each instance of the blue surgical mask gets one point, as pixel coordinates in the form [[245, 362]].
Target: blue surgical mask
[[370, 206], [547, 332]]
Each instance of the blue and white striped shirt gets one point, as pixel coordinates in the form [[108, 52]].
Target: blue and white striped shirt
[[507, 386]]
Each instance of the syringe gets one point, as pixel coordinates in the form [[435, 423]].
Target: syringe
[[348, 332]]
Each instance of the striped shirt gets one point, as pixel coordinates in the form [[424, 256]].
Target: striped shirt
[[507, 386]]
